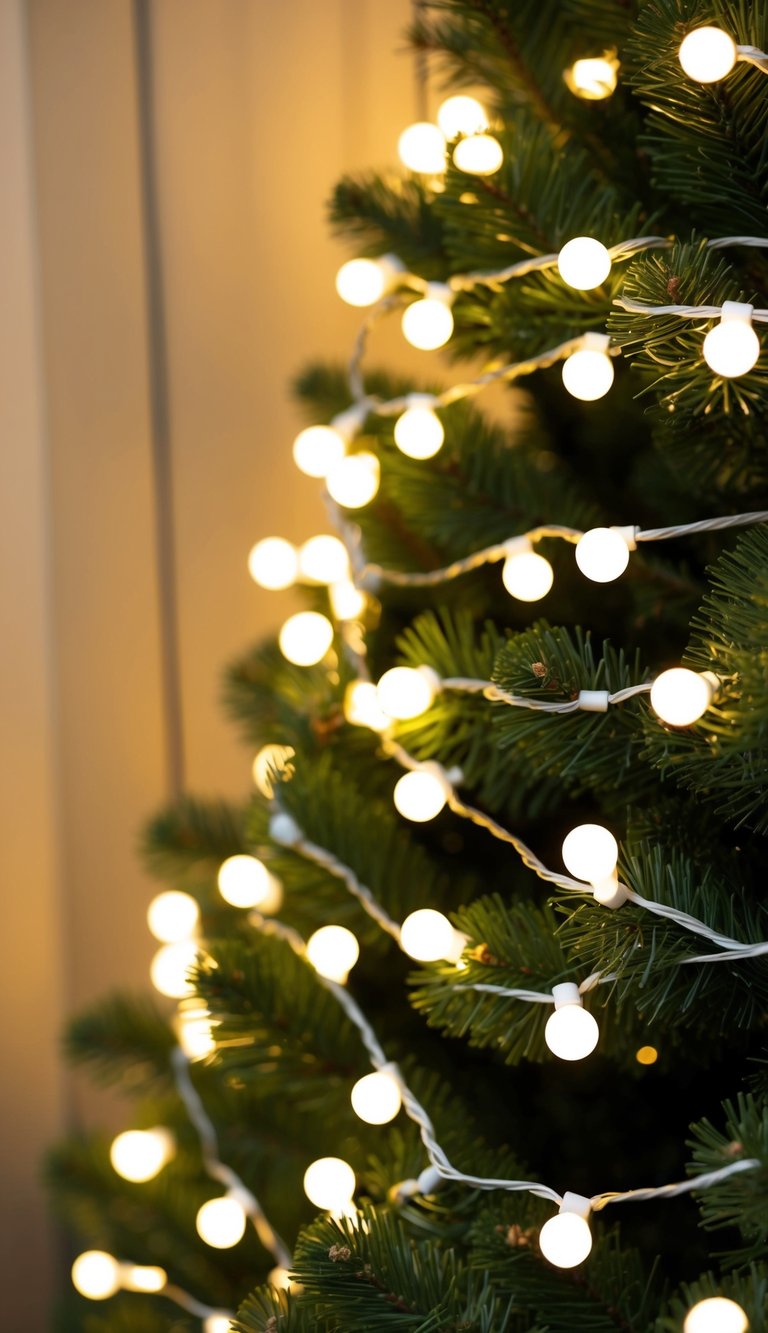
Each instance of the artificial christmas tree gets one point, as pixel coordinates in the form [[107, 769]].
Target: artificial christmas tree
[[484, 957]]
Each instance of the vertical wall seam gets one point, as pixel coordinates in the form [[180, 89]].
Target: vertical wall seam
[[160, 425]]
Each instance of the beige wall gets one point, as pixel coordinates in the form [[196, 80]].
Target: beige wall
[[257, 107]]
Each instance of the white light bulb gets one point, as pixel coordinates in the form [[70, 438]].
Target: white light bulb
[[361, 282], [428, 323], [318, 449], [361, 706], [420, 796], [347, 601], [707, 54], [584, 263], [273, 563], [602, 554], [427, 936], [716, 1314], [680, 697], [143, 1277], [590, 852], [280, 1278], [96, 1275], [588, 374], [571, 1033], [527, 576], [169, 967], [139, 1154], [323, 559], [732, 347], [421, 147], [419, 431], [221, 1222], [355, 480], [406, 692], [376, 1098], [272, 759], [193, 1030], [305, 638], [244, 881], [329, 1183], [593, 78], [333, 952], [217, 1323], [173, 916], [462, 115], [565, 1240], [478, 155]]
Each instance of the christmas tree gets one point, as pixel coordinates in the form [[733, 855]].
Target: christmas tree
[[484, 957]]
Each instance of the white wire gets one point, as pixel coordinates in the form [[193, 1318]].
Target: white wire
[[702, 1182], [681, 311], [217, 1169], [750, 55], [322, 857], [191, 1304], [495, 694]]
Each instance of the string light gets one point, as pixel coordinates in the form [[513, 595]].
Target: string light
[[421, 148], [272, 761], [142, 1277], [707, 54], [333, 952], [273, 562], [680, 697], [140, 1154], [716, 1314], [173, 916], [376, 1098], [427, 936], [593, 78], [419, 431], [732, 347], [318, 449], [361, 706], [217, 1323], [221, 1222], [354, 481], [428, 323], [588, 372], [244, 881], [590, 852], [647, 1055], [329, 1183], [565, 1239], [169, 967], [363, 282], [305, 638], [96, 1275], [422, 794], [407, 692], [323, 559], [193, 1030], [602, 554], [526, 575], [280, 1278], [461, 115], [347, 601], [571, 1032], [478, 155], [584, 263]]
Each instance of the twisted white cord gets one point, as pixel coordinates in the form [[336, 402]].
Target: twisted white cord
[[681, 311], [750, 55], [703, 1182], [533, 996], [217, 1169], [322, 857], [465, 685], [191, 1304]]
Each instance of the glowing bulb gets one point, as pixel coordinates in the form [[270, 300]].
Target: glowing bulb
[[478, 155], [244, 881], [355, 480], [333, 952], [421, 147], [419, 431], [593, 78], [376, 1098], [347, 601], [590, 853], [680, 697], [305, 638], [527, 576], [273, 563], [565, 1240], [461, 115], [708, 54], [272, 761], [427, 936], [588, 372], [140, 1154], [361, 706], [716, 1314], [421, 795], [406, 692], [193, 1030], [217, 1323], [280, 1278], [732, 347], [329, 1183], [428, 323], [169, 967], [647, 1055], [584, 263], [221, 1222], [361, 282], [318, 449], [602, 554], [143, 1277], [96, 1275], [323, 559], [173, 916], [571, 1032]]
